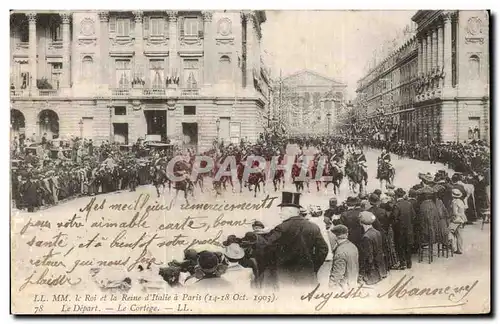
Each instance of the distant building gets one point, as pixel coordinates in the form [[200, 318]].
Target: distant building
[[435, 87], [191, 76], [315, 102]]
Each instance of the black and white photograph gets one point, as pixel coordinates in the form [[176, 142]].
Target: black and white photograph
[[183, 162]]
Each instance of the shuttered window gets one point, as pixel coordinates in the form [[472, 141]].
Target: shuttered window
[[123, 27], [157, 27]]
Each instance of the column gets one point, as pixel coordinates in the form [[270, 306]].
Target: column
[[173, 61], [430, 64], [209, 59], [434, 56], [249, 48], [104, 51], [420, 53], [66, 38], [447, 50], [32, 51], [440, 50], [424, 54], [139, 62]]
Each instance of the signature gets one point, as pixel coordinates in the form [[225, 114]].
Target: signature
[[44, 279]]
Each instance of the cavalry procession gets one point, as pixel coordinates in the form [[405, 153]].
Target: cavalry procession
[[361, 227]]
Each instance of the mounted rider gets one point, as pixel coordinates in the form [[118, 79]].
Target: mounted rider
[[360, 158], [384, 159]]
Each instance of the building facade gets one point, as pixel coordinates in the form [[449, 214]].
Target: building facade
[[452, 96], [190, 76], [435, 87], [388, 92], [314, 101]]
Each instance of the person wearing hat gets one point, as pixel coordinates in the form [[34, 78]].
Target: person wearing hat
[[296, 245], [208, 273], [332, 214], [458, 219], [403, 217], [428, 216], [383, 224], [372, 267], [235, 273], [350, 218], [345, 263]]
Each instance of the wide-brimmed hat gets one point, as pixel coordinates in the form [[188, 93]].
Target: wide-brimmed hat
[[290, 199], [234, 251], [249, 238], [427, 177], [367, 218], [390, 186], [400, 193], [230, 240], [456, 193]]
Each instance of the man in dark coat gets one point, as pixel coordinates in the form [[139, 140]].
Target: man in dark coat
[[350, 218], [372, 267], [30, 195], [296, 245], [404, 216]]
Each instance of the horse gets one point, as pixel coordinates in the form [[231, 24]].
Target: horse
[[356, 175], [299, 184], [160, 178], [185, 184], [336, 175], [279, 176], [255, 179], [385, 173]]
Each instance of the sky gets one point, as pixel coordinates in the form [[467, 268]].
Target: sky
[[334, 43]]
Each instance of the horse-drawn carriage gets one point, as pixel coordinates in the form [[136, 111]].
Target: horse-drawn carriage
[[169, 149]]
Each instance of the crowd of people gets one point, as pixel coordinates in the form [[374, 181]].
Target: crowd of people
[[369, 235]]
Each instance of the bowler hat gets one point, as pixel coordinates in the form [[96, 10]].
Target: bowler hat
[[208, 261], [290, 199], [230, 240], [400, 193], [258, 224]]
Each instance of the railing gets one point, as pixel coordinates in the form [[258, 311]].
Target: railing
[[190, 92], [55, 45], [154, 92], [23, 45], [120, 92], [17, 93], [48, 92]]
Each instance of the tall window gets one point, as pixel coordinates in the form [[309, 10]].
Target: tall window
[[191, 72], [55, 74], [156, 68], [87, 62], [225, 67], [474, 67], [191, 26], [55, 32], [123, 27], [157, 26], [24, 32], [123, 74]]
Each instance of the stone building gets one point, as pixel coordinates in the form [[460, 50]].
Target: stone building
[[315, 101], [435, 87], [191, 76], [388, 91], [452, 96]]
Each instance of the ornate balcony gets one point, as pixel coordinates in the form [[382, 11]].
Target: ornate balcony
[[154, 92], [48, 92], [190, 92], [120, 92]]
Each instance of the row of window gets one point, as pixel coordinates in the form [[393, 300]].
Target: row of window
[[153, 26], [122, 111]]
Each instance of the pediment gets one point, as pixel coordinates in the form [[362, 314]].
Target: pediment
[[310, 78]]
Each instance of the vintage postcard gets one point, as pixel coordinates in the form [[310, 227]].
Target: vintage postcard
[[250, 162]]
